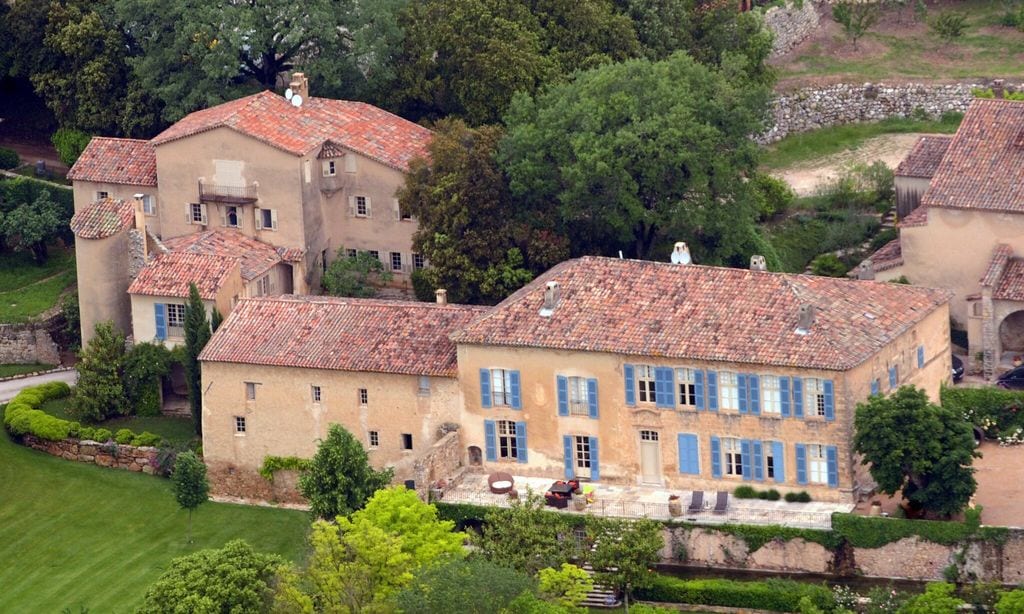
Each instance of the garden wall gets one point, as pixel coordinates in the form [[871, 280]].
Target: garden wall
[[790, 25], [228, 480], [30, 343], [443, 460], [117, 456]]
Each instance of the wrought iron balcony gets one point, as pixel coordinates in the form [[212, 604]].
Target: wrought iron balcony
[[211, 192]]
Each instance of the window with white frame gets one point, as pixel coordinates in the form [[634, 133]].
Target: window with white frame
[[175, 320], [501, 387], [578, 396], [374, 439], [728, 390], [195, 211], [231, 217], [817, 465], [240, 425], [362, 209], [769, 460], [148, 204], [316, 394], [814, 392], [648, 435], [267, 219], [250, 391], [687, 381], [418, 261], [329, 168], [507, 445], [396, 261], [771, 395], [364, 396], [732, 456], [102, 195], [645, 383], [375, 254]]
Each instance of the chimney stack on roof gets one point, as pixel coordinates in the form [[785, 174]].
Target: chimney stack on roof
[[866, 270], [998, 89], [442, 296], [299, 85], [681, 254], [552, 294], [805, 319], [757, 263]]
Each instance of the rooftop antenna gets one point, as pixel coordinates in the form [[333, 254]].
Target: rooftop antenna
[[296, 101], [288, 93]]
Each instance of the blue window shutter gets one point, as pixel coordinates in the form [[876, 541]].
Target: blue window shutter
[[892, 377], [784, 396], [712, 391], [698, 388], [595, 468], [716, 458], [490, 440], [485, 388], [798, 397], [754, 388], [779, 458], [563, 395], [627, 371], [745, 455], [689, 461], [664, 381], [741, 381], [874, 386], [513, 380], [567, 452], [832, 458], [521, 442], [920, 356], [592, 397], [801, 463], [758, 460], [830, 403], [160, 316]]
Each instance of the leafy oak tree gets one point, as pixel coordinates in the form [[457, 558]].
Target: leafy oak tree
[[920, 449], [340, 479], [32, 225], [197, 334], [567, 586], [188, 480], [636, 155]]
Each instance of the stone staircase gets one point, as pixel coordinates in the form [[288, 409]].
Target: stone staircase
[[600, 596]]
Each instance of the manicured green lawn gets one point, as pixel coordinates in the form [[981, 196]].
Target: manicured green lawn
[[10, 370], [76, 535], [28, 289], [17, 269], [174, 430]]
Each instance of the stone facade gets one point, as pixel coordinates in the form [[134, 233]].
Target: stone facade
[[442, 461], [30, 343], [790, 25], [141, 459]]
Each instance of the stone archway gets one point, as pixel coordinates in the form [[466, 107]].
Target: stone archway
[[1011, 333]]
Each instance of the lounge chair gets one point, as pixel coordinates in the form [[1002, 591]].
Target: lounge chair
[[721, 502], [696, 503]]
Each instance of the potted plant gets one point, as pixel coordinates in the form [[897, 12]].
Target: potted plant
[[675, 505], [579, 501]]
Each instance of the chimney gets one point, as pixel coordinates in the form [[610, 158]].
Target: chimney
[[441, 295], [757, 263], [805, 319], [681, 254], [552, 294], [140, 223], [299, 85], [866, 270], [998, 90]]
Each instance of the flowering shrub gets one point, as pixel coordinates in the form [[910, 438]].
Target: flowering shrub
[[999, 413]]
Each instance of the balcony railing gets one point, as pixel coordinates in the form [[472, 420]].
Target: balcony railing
[[211, 192]]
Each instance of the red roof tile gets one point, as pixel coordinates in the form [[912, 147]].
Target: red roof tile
[[653, 309], [256, 257], [924, 158], [343, 334], [270, 118], [917, 217], [170, 275], [1000, 256], [1011, 285], [984, 165], [125, 161], [887, 257], [103, 218]]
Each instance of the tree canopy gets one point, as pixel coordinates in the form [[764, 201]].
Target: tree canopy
[[524, 536], [189, 483], [32, 225], [920, 449], [469, 586], [355, 275], [340, 479]]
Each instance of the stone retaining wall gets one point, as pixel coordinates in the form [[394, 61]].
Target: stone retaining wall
[[30, 343], [790, 25], [443, 460], [117, 456], [228, 480]]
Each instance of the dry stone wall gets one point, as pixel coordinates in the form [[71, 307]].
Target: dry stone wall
[[117, 456], [30, 343], [791, 25]]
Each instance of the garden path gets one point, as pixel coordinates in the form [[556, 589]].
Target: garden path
[[805, 177]]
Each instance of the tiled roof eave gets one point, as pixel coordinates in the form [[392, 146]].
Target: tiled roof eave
[[264, 362]]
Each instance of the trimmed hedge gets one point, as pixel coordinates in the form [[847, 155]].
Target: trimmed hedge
[[874, 532], [776, 595]]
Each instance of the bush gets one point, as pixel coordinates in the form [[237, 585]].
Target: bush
[[144, 365], [828, 265], [147, 439], [745, 492], [772, 195], [755, 536], [9, 159], [70, 144], [950, 24], [770, 495], [774, 595], [22, 416], [102, 435], [883, 238], [798, 497], [124, 436], [999, 413]]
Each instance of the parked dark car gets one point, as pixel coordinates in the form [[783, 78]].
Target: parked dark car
[[958, 369], [1012, 379]]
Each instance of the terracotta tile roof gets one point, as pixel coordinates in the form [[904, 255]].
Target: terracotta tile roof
[[344, 334], [1011, 285], [924, 158], [256, 257], [170, 275], [1000, 256], [984, 165], [331, 150], [126, 161], [103, 218], [653, 309], [887, 257], [917, 217], [270, 118], [291, 254]]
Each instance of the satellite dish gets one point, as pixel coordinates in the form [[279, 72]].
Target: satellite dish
[[288, 93], [296, 100]]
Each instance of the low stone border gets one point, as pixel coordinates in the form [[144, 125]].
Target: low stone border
[[36, 373], [118, 456]]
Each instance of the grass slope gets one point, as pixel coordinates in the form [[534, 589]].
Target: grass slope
[[27, 289], [10, 370], [76, 535]]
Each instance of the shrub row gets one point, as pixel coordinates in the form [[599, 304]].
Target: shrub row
[[749, 492], [756, 536], [798, 497], [776, 595], [23, 417], [869, 532]]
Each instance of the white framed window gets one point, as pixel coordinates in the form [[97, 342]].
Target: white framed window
[[316, 394], [732, 457], [771, 395], [396, 261], [728, 390], [578, 405], [814, 392], [407, 441], [424, 384], [507, 445], [769, 460], [231, 217], [583, 454], [250, 391], [375, 254], [648, 435], [148, 204], [351, 253], [501, 387], [240, 425], [364, 396], [687, 381], [266, 219], [197, 213], [418, 262], [175, 315], [374, 439], [329, 168], [645, 383], [101, 195], [817, 465], [362, 207]]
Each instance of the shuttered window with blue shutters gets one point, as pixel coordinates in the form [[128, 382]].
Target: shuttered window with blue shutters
[[716, 458], [801, 464], [570, 465], [745, 457], [592, 397], [521, 455], [698, 388], [595, 468], [562, 386], [485, 388], [490, 441], [784, 396], [741, 382], [630, 383], [689, 459], [712, 391], [754, 394], [874, 386], [664, 387], [893, 377], [515, 400], [778, 461], [920, 356], [798, 397], [500, 388], [830, 403], [160, 317], [757, 462], [832, 457]]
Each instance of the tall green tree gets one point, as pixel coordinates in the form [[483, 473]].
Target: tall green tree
[[340, 479], [468, 586], [525, 537], [567, 586], [917, 448], [624, 552], [99, 393], [637, 155], [356, 276], [197, 334], [480, 247], [32, 225], [189, 483]]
